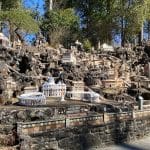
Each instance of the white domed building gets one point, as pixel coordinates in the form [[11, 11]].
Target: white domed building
[[51, 89], [32, 99]]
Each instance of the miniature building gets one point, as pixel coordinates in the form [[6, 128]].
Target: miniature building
[[147, 70], [30, 89], [4, 41], [10, 87], [40, 40], [32, 99], [68, 57], [107, 48], [77, 88], [111, 73], [78, 93], [79, 45], [87, 96], [51, 89], [144, 82], [113, 83], [3, 69], [92, 97], [10, 84]]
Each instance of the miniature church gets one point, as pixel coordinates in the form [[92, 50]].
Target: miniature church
[[51, 89]]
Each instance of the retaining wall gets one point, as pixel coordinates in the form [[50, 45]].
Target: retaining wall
[[29, 128]]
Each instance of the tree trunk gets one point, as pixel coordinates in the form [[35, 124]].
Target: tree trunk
[[1, 26], [139, 38], [50, 4], [12, 34], [122, 33], [141, 34]]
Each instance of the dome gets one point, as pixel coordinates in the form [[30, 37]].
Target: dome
[[49, 83], [60, 83], [51, 80]]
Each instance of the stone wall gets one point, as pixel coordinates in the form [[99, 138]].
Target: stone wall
[[35, 127], [86, 137], [86, 132], [10, 115], [45, 128], [29, 128]]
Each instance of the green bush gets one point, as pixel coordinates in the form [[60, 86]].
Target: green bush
[[87, 45]]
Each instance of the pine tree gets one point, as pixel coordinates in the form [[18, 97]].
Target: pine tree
[[17, 19]]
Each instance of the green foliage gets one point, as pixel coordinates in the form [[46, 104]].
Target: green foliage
[[96, 18], [130, 16], [58, 24], [17, 19], [9, 4], [59, 19], [21, 19], [87, 45], [101, 19]]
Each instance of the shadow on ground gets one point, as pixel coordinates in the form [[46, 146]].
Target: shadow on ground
[[131, 147]]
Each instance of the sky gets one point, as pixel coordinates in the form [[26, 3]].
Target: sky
[[34, 4]]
